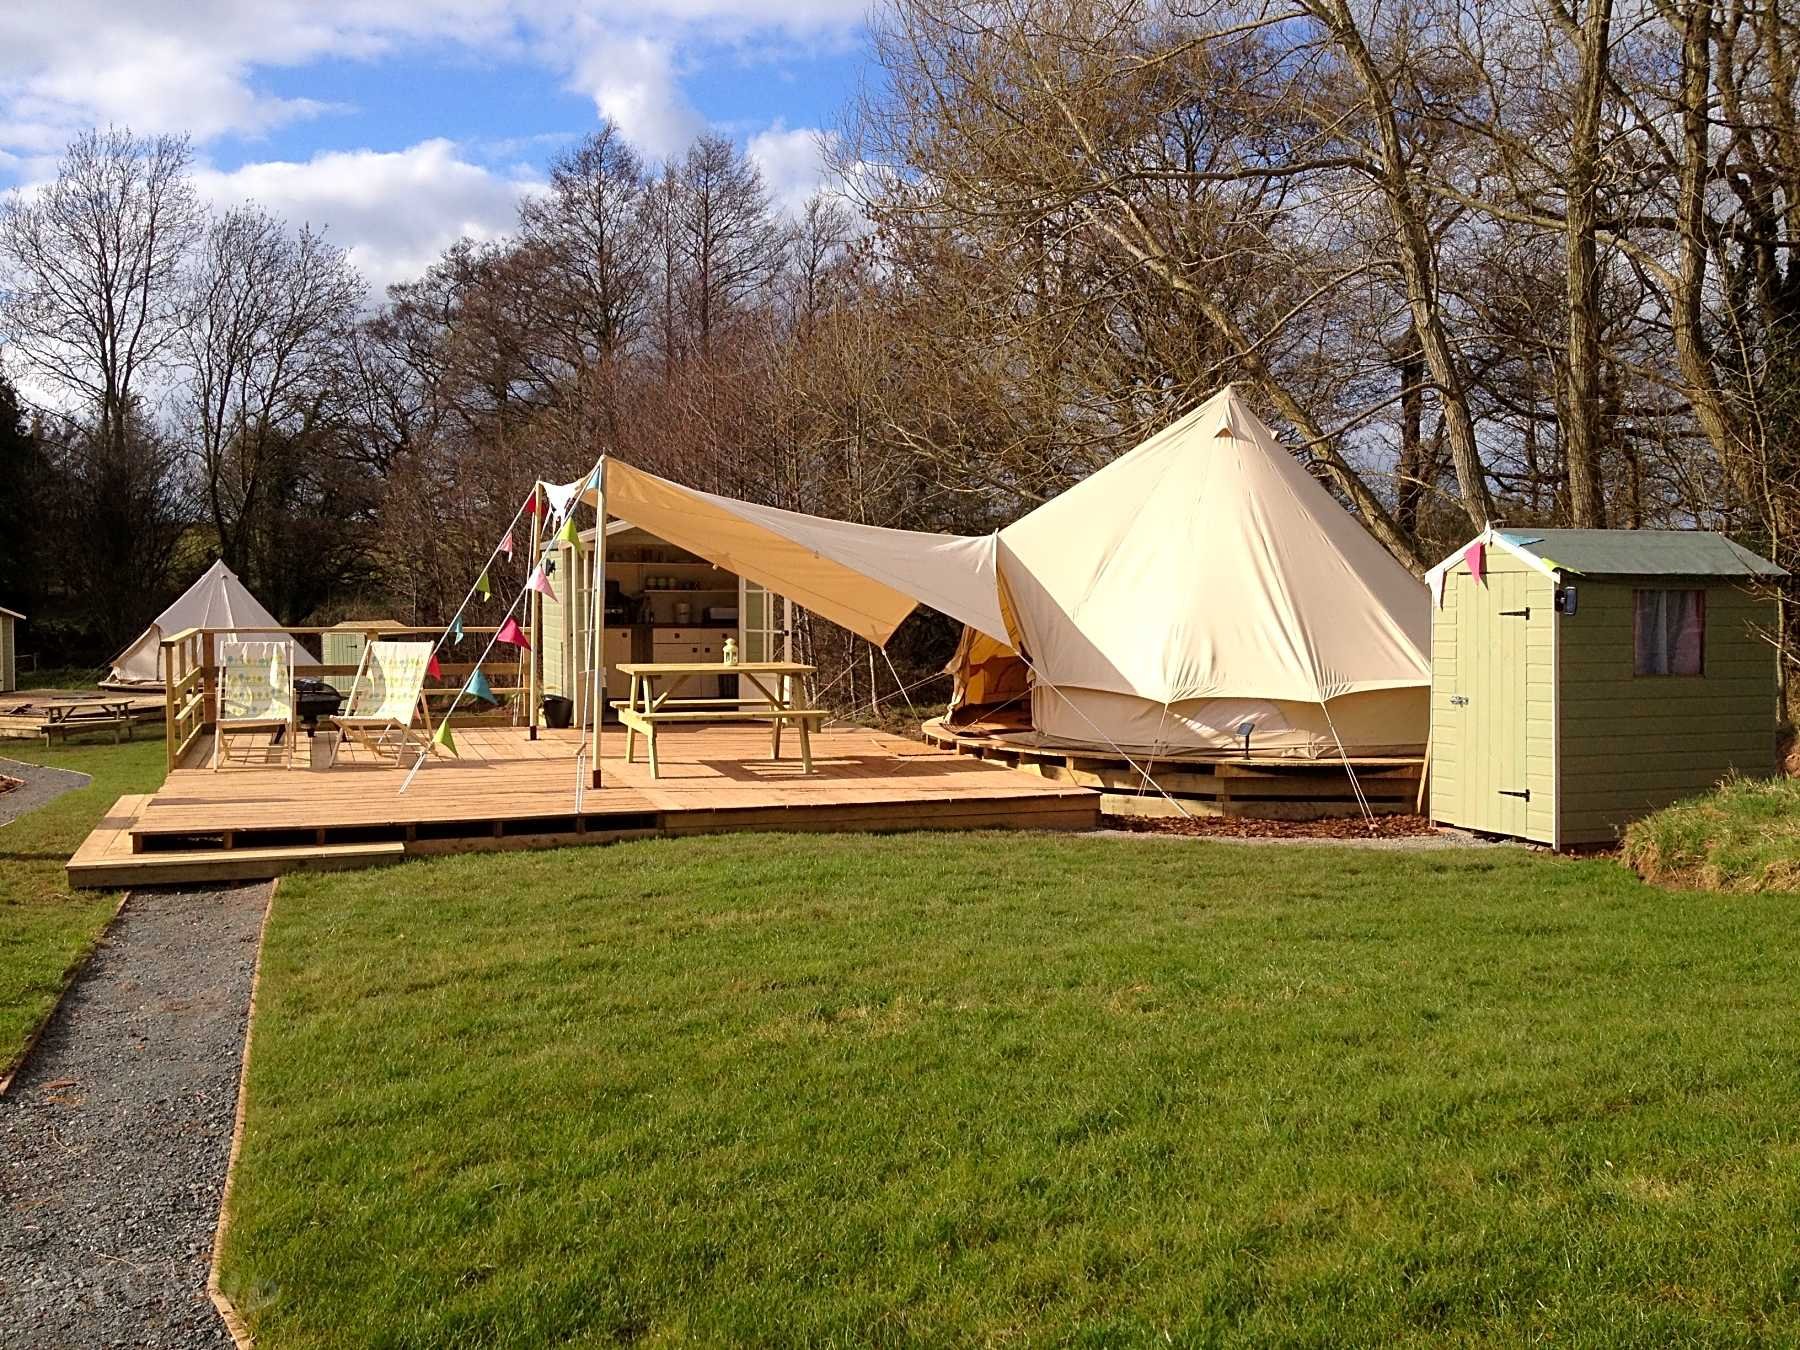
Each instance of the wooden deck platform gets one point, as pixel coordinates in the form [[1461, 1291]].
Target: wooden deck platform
[[508, 791], [1258, 787]]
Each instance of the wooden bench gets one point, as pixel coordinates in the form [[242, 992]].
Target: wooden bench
[[636, 721], [68, 725]]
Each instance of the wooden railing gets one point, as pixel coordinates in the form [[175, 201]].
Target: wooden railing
[[191, 675]]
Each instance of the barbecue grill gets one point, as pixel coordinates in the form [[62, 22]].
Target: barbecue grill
[[314, 699]]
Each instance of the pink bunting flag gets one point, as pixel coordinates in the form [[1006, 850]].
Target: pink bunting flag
[[433, 669], [511, 633], [506, 545], [1475, 555], [540, 583]]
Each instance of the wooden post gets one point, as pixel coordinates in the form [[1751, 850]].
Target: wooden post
[[537, 614], [171, 733], [209, 676], [597, 625]]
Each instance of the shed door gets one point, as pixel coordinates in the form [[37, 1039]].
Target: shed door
[[1490, 698]]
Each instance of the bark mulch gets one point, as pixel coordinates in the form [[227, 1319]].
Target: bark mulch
[[1238, 827], [115, 1135]]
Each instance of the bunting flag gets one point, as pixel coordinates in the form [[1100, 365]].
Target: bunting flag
[[456, 632], [442, 737], [568, 533], [531, 503], [478, 687], [593, 481], [506, 546], [432, 669], [482, 587], [1475, 555], [512, 634], [562, 497], [1435, 580], [540, 583]]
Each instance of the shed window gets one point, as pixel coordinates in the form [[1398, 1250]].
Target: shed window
[[1671, 632]]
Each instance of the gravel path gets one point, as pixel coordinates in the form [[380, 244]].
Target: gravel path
[[37, 786], [115, 1135]]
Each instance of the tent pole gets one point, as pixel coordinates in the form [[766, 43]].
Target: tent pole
[[537, 614], [597, 625]]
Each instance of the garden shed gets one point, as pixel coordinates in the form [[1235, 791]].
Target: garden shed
[[9, 649], [1583, 678]]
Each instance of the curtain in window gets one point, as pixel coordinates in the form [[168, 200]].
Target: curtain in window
[[1671, 632]]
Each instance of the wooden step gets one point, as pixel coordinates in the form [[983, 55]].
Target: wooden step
[[105, 860]]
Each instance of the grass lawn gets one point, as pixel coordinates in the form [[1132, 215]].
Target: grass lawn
[[1743, 837], [954, 1090], [44, 926]]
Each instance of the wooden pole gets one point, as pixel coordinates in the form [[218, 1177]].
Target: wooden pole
[[537, 615], [597, 625]]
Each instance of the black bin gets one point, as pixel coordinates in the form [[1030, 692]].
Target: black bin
[[558, 712]]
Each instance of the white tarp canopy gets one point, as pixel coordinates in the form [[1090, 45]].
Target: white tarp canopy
[[1200, 585], [863, 577], [217, 600]]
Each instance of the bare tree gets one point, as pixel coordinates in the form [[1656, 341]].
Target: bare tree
[[263, 347], [94, 261]]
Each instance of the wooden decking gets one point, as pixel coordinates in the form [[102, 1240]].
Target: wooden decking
[[507, 791]]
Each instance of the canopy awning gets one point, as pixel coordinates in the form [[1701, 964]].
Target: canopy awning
[[862, 577]]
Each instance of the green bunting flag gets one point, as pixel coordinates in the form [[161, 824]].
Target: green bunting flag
[[568, 533], [482, 587], [478, 687], [442, 737]]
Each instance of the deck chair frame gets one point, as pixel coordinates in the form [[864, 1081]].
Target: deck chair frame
[[225, 728], [384, 734]]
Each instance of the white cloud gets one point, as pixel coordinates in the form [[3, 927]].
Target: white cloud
[[632, 81], [395, 211], [792, 163], [193, 65], [203, 67]]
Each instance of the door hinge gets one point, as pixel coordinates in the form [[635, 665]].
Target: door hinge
[[1459, 700], [1526, 794], [1516, 613]]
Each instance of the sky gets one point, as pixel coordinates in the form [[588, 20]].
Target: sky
[[400, 125]]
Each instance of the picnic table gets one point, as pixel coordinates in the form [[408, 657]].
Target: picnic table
[[654, 700], [98, 713]]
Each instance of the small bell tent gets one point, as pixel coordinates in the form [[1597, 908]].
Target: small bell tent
[[217, 600]]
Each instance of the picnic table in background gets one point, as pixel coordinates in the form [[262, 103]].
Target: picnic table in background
[[65, 716], [653, 700]]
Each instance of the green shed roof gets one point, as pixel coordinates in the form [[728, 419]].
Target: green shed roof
[[1641, 553]]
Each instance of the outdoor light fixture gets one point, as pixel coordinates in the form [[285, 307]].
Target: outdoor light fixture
[[1244, 730]]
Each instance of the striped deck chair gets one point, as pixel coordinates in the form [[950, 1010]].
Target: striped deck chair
[[256, 699], [388, 696]]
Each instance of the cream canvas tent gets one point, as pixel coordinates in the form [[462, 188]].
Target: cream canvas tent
[[217, 600], [1204, 592], [1200, 593]]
